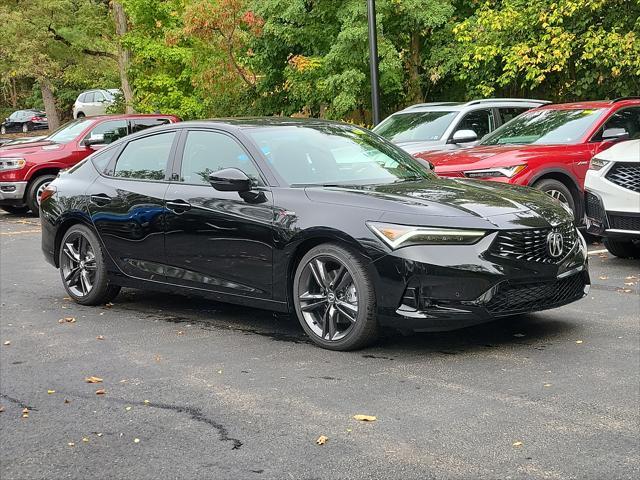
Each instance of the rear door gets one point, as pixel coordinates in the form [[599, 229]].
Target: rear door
[[218, 241], [127, 204]]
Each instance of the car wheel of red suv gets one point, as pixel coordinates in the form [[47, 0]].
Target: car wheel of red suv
[[35, 190], [557, 190]]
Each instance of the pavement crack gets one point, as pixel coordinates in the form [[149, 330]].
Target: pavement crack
[[17, 402]]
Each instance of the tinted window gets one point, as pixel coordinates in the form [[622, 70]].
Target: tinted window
[[145, 158], [14, 116], [208, 152], [480, 121], [334, 154], [417, 126], [546, 126], [141, 123], [624, 123], [69, 131], [507, 114], [102, 158], [110, 131]]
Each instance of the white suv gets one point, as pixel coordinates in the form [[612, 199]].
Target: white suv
[[94, 102], [612, 198]]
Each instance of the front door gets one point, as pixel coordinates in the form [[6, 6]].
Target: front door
[[218, 241], [127, 205]]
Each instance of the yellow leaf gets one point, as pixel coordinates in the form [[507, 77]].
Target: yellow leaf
[[578, 342], [322, 440], [7, 342], [365, 418], [517, 444], [93, 380], [85, 439], [51, 391], [102, 391]]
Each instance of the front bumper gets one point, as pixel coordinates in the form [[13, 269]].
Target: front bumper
[[12, 192], [438, 288], [606, 222]]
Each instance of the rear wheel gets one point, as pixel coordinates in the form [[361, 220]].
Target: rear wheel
[[3, 130], [334, 298], [34, 192], [14, 209], [557, 190], [623, 248], [25, 127], [80, 115], [82, 268]]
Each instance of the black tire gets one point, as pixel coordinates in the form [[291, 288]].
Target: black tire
[[80, 115], [362, 326], [559, 191], [25, 128], [89, 255], [15, 209], [33, 192], [622, 248], [3, 130]]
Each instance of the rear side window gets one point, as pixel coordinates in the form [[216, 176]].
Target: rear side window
[[145, 158], [88, 97], [102, 158], [140, 124], [98, 97], [82, 98], [507, 114]]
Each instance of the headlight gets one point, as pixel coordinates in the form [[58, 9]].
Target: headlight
[[397, 236], [507, 172], [598, 164], [11, 163]]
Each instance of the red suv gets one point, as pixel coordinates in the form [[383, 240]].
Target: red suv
[[548, 147], [27, 168]]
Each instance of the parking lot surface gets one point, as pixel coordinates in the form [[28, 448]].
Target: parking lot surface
[[198, 389]]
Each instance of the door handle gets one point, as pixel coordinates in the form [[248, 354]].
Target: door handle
[[178, 206], [101, 199]]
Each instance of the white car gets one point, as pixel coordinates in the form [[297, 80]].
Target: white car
[[612, 198], [94, 102]]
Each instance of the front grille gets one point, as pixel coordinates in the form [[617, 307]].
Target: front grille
[[530, 245], [510, 299], [624, 222], [594, 208], [625, 175]]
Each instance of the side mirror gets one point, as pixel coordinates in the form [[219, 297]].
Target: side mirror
[[230, 180], [464, 136], [96, 139], [615, 134]]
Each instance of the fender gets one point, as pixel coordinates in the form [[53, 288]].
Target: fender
[[561, 171], [33, 171]]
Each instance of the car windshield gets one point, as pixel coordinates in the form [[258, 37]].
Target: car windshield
[[545, 127], [333, 154], [416, 126], [69, 131]]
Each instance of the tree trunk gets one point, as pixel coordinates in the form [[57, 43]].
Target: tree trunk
[[124, 55], [14, 93], [414, 89], [49, 103]]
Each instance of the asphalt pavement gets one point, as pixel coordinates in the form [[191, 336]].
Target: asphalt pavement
[[196, 389]]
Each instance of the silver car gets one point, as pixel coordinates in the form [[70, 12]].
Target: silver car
[[94, 102], [449, 125]]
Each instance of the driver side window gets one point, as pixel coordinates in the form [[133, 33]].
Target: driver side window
[[109, 131], [480, 121], [624, 124], [207, 152]]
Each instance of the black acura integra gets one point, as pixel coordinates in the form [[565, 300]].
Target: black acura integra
[[322, 218]]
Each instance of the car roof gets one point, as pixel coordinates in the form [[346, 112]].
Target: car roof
[[256, 122], [623, 101], [485, 102], [126, 116]]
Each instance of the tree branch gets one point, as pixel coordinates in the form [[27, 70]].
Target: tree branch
[[87, 51]]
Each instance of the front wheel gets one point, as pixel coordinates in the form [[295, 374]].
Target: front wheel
[[623, 248], [334, 298], [25, 128], [82, 268], [34, 192], [3, 130], [557, 190]]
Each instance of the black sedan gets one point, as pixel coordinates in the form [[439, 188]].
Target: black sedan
[[323, 219], [24, 121]]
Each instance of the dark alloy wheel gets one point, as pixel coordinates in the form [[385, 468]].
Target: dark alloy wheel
[[82, 268], [334, 298], [623, 248]]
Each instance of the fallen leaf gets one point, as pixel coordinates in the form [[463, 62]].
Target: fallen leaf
[[51, 391], [85, 439], [93, 380], [66, 400], [108, 305], [102, 391], [517, 444], [99, 337], [71, 444], [127, 408], [322, 440], [146, 402], [136, 440], [365, 418], [630, 284], [603, 277], [99, 434], [25, 413], [578, 342], [1, 409], [625, 290], [8, 342], [219, 371], [630, 277], [180, 332], [66, 298], [547, 385], [69, 319]]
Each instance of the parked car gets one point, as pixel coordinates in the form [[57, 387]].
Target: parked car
[[319, 218], [440, 126], [27, 168], [612, 198], [24, 121], [94, 102], [548, 148]]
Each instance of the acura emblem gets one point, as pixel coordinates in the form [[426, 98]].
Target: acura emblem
[[555, 244]]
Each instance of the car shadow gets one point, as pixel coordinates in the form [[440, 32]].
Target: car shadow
[[532, 331]]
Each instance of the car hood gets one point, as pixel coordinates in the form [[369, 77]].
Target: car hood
[[487, 156], [29, 148], [477, 201]]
